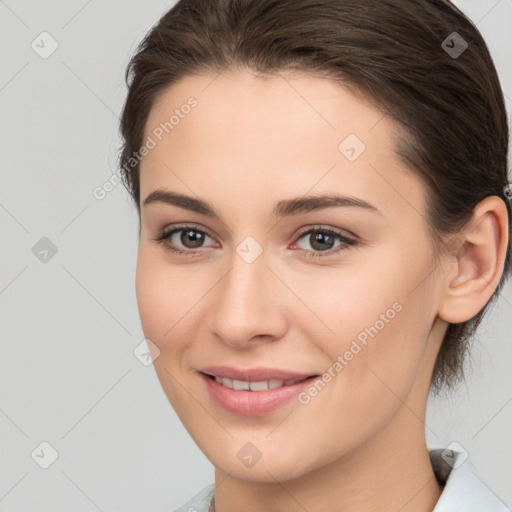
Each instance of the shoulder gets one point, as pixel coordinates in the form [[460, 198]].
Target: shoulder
[[464, 490], [200, 502]]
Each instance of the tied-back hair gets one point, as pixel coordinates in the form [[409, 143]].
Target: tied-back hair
[[450, 111]]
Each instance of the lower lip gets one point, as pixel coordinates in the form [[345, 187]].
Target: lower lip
[[253, 403]]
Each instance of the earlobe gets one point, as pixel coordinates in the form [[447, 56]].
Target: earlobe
[[476, 269]]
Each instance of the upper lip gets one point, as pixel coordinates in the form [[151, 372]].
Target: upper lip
[[253, 374]]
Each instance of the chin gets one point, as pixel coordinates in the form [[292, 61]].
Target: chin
[[254, 462]]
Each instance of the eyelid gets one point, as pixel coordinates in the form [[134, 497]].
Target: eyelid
[[311, 227], [166, 232], [347, 240], [323, 227]]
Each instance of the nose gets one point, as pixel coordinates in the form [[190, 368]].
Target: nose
[[248, 304]]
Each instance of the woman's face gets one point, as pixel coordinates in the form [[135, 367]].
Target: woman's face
[[270, 278]]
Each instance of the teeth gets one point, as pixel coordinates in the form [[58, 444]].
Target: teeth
[[240, 385], [263, 385], [274, 383], [259, 386]]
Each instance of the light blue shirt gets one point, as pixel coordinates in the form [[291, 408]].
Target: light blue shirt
[[463, 490]]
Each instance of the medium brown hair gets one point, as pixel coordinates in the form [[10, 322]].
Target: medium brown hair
[[450, 107]]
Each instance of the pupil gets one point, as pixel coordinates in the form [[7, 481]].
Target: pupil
[[323, 239], [194, 238]]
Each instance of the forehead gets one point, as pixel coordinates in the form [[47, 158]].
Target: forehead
[[295, 101], [283, 134]]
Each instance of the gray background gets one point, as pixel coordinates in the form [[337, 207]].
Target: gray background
[[70, 324]]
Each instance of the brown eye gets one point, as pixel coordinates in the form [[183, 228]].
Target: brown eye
[[323, 240], [192, 236], [183, 239]]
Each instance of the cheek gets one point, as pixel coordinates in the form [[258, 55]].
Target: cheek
[[151, 299], [372, 364], [171, 306], [373, 328], [162, 297], [160, 301]]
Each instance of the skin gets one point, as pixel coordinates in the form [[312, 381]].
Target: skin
[[360, 443]]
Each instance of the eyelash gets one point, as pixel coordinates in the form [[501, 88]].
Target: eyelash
[[166, 233]]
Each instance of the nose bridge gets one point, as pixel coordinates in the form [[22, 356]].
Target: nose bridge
[[245, 288], [247, 280], [245, 303]]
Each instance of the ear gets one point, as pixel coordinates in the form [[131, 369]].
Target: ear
[[476, 262]]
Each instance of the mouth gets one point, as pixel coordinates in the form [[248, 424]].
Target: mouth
[[253, 392], [260, 385]]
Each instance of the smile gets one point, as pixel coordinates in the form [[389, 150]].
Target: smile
[[253, 392], [262, 385]]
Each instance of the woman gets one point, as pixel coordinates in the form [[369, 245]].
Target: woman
[[322, 194]]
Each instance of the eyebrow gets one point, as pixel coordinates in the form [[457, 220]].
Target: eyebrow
[[283, 208]]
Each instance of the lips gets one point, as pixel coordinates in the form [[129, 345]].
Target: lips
[[254, 391]]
